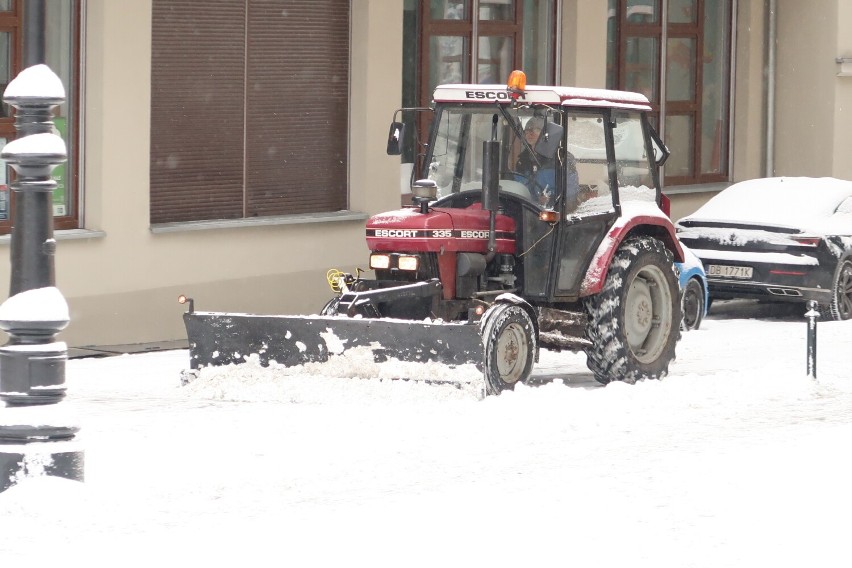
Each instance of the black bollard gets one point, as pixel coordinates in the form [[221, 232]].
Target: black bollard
[[812, 314], [32, 364], [34, 441]]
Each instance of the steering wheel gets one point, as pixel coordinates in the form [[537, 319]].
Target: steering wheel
[[530, 180]]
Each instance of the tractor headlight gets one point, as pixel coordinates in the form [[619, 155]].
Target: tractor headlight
[[380, 261], [408, 263]]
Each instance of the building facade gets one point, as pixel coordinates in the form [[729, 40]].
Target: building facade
[[234, 153]]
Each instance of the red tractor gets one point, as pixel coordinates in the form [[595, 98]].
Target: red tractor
[[536, 223]]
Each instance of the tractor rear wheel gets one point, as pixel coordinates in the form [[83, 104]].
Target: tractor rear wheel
[[634, 321], [508, 336]]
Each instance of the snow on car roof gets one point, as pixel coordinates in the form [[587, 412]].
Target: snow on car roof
[[574, 96], [801, 202]]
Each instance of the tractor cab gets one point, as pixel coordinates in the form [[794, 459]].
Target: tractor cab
[[564, 160]]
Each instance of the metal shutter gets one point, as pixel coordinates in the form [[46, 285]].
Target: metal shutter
[[285, 151], [298, 107], [197, 70]]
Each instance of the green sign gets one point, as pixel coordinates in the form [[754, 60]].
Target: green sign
[[60, 203]]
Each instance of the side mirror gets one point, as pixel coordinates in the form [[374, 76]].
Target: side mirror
[[395, 137], [548, 142]]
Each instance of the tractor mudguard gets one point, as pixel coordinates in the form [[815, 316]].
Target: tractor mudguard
[[647, 220]]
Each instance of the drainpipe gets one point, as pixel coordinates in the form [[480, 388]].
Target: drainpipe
[[772, 32]]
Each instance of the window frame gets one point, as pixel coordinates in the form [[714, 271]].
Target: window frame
[[663, 31], [471, 30], [12, 21], [71, 220]]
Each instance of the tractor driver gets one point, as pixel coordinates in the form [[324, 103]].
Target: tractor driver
[[540, 177]]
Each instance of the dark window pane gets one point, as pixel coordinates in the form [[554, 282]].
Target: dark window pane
[[680, 71], [538, 41], [449, 57], [497, 10], [496, 58], [714, 91], [680, 132], [682, 11], [448, 9], [5, 67], [643, 11], [642, 57]]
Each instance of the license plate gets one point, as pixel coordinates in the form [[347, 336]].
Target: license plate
[[723, 271]]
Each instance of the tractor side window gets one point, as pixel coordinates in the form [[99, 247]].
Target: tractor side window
[[448, 151], [633, 166], [587, 189]]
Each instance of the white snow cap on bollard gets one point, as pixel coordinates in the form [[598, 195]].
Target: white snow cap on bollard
[[36, 81], [35, 144], [41, 304]]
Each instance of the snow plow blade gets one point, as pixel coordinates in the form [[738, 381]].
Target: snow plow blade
[[217, 339]]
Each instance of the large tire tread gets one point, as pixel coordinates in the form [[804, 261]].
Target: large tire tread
[[498, 320], [609, 357]]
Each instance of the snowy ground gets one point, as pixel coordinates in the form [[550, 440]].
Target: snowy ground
[[736, 459]]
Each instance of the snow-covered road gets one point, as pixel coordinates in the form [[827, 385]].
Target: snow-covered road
[[735, 459]]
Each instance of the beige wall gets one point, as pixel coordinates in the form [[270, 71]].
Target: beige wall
[[583, 60], [749, 101], [842, 143], [122, 280], [806, 83], [376, 93]]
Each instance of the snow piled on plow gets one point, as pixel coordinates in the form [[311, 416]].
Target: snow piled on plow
[[352, 375]]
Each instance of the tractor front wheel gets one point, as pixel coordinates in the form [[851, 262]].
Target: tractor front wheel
[[508, 336]]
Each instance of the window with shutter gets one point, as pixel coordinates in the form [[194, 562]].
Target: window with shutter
[[249, 108]]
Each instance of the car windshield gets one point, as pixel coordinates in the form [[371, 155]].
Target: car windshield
[[784, 201]]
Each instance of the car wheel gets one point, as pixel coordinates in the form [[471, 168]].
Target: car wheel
[[634, 321], [692, 305], [841, 297]]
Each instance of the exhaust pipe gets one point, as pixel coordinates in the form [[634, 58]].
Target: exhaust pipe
[[491, 186], [784, 292]]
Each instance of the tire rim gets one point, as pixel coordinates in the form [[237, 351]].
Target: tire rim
[[512, 353], [648, 314], [691, 306], [843, 296]]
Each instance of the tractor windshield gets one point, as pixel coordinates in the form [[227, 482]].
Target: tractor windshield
[[554, 158], [528, 140]]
